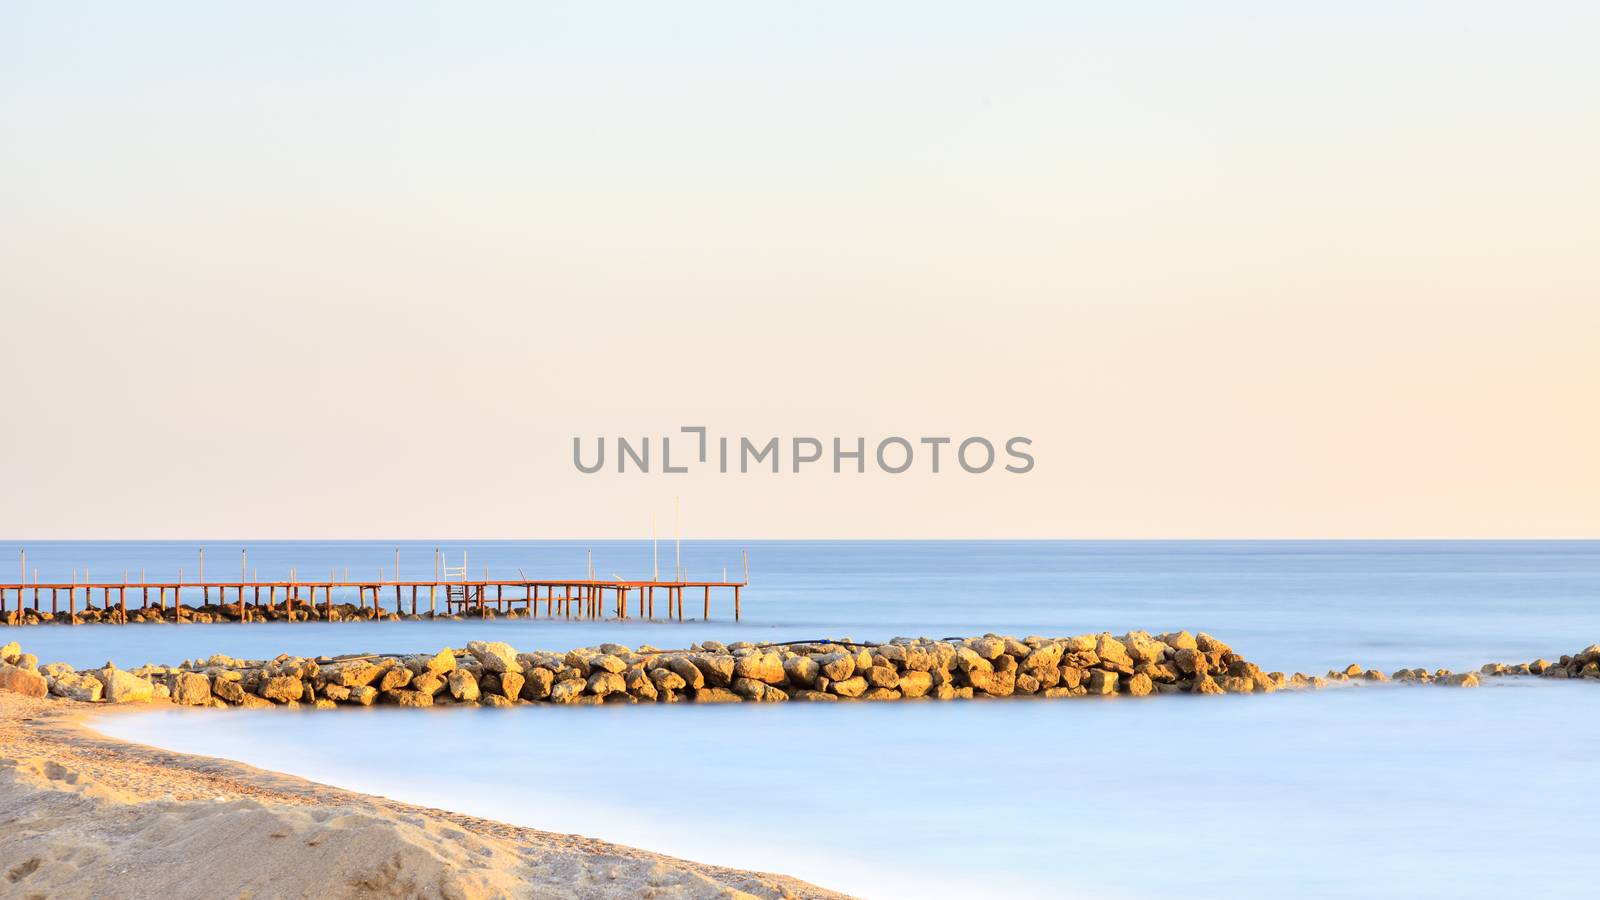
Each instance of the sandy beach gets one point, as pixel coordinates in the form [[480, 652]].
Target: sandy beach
[[89, 816]]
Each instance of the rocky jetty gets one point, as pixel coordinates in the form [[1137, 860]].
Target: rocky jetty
[[230, 612], [495, 674], [1583, 664]]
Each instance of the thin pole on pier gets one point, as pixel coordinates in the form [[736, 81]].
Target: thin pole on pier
[[177, 599], [244, 564], [433, 589]]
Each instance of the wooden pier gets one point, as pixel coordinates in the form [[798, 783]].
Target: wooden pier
[[298, 599], [567, 598]]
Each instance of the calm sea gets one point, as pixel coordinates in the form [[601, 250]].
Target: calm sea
[[1379, 791]]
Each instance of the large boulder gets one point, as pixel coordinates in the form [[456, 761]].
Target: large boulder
[[915, 684], [537, 683], [442, 663], [1102, 682], [894, 653], [969, 661], [920, 659], [191, 689], [1139, 685], [1143, 648], [125, 687], [690, 673], [881, 676], [408, 697], [282, 688], [1114, 654], [668, 680], [1046, 656], [495, 656], [1237, 684], [578, 659], [801, 671], [229, 691], [836, 666], [352, 674], [604, 682], [1190, 661], [393, 679], [567, 691], [639, 684], [429, 682], [463, 686], [78, 686], [23, 681], [989, 648], [605, 662], [850, 687], [716, 667], [505, 684], [10, 653], [994, 683], [763, 667], [1180, 640]]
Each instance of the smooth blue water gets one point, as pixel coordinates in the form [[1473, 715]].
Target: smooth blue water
[[1386, 791], [1392, 791]]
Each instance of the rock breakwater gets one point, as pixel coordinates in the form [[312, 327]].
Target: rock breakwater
[[210, 613], [492, 673]]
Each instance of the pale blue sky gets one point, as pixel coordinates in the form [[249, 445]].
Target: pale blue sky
[[1238, 268]]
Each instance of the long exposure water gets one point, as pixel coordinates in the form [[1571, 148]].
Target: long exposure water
[[1388, 791]]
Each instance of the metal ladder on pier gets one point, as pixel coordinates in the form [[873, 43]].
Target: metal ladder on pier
[[455, 595]]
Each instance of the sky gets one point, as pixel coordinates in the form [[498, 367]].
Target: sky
[[305, 270]]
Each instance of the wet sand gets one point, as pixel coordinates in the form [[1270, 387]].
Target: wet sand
[[88, 816]]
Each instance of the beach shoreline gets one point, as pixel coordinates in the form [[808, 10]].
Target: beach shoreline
[[92, 816]]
